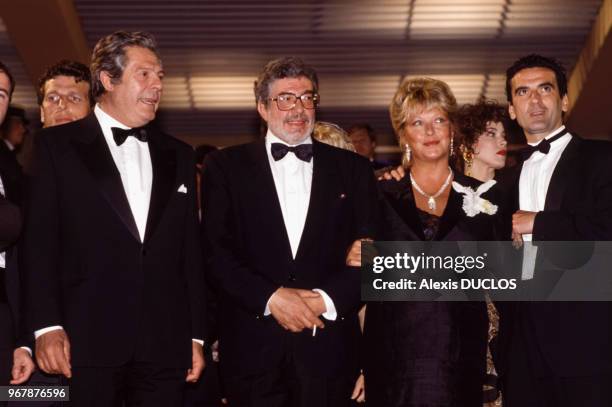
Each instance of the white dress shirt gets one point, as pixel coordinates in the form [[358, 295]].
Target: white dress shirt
[[533, 187], [293, 181], [133, 161]]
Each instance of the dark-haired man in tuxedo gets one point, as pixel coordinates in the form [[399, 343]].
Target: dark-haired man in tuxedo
[[7, 330], [112, 268], [279, 216], [555, 353]]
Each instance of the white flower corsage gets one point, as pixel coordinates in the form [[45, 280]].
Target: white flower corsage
[[473, 204]]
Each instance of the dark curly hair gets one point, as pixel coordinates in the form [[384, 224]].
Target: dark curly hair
[[471, 121], [537, 61], [77, 70]]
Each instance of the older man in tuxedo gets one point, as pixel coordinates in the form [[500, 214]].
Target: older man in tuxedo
[[112, 268], [279, 215], [555, 353]]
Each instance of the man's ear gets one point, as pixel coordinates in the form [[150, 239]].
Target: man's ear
[[42, 115], [263, 110], [511, 111], [107, 81], [565, 103]]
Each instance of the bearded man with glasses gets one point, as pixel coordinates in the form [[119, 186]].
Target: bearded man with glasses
[[288, 306]]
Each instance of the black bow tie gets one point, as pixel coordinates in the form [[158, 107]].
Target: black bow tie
[[543, 146], [120, 135], [302, 151]]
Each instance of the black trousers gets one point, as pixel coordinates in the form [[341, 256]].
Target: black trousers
[[528, 382], [288, 385], [131, 385], [206, 392], [7, 344]]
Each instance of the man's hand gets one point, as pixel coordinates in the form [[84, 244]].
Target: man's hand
[[23, 366], [289, 308], [359, 390], [316, 304], [53, 353], [197, 363], [522, 222]]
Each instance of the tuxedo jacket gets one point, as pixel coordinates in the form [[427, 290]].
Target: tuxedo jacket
[[12, 180], [85, 267], [11, 173], [569, 338], [249, 256]]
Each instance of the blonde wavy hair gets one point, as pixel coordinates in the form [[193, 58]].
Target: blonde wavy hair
[[332, 134], [417, 94]]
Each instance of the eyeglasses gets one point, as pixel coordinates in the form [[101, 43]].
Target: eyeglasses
[[287, 101]]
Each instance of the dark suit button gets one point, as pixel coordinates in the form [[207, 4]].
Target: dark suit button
[[292, 277], [144, 252]]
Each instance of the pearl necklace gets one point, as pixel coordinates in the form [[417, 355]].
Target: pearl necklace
[[431, 199]]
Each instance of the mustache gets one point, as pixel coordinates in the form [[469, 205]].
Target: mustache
[[300, 116]]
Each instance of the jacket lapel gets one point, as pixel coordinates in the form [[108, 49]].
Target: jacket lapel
[[451, 215], [561, 174], [91, 147], [401, 199], [324, 177], [261, 188], [163, 161]]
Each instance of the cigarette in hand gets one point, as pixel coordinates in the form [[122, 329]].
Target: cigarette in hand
[[314, 330]]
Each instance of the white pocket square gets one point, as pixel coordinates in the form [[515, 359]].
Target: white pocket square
[[182, 189]]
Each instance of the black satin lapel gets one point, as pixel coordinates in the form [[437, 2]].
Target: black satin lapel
[[561, 175], [324, 177], [404, 204], [163, 161], [266, 204], [509, 181], [96, 156], [451, 215]]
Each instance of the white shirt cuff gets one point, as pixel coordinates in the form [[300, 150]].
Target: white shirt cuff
[[330, 309], [27, 348], [267, 310], [200, 341], [47, 329]]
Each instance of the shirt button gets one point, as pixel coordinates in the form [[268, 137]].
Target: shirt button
[[292, 277]]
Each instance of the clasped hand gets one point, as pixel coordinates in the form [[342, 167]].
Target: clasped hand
[[297, 309]]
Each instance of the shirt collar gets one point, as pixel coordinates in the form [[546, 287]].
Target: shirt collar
[[271, 138], [107, 121], [554, 133]]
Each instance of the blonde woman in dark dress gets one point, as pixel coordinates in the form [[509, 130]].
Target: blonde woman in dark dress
[[427, 353]]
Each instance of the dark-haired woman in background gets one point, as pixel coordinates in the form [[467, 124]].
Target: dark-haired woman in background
[[482, 139], [481, 130]]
